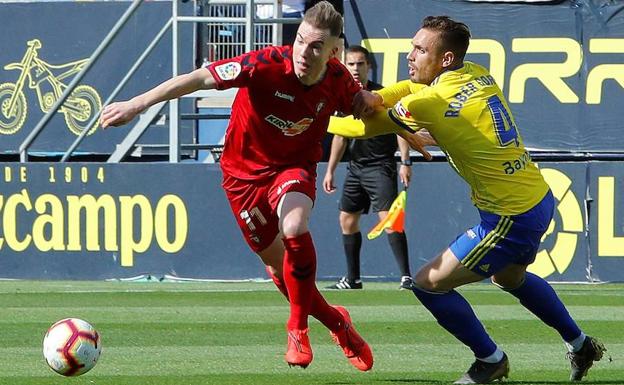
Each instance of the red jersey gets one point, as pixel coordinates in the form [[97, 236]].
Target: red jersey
[[276, 121]]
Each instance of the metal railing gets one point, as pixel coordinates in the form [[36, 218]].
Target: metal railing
[[248, 20], [117, 89], [23, 148]]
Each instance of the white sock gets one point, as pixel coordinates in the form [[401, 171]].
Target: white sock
[[493, 358], [576, 344]]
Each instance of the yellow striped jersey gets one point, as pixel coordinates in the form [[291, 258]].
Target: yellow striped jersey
[[467, 114]]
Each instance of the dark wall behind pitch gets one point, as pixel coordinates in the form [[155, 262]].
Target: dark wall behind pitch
[[174, 219]]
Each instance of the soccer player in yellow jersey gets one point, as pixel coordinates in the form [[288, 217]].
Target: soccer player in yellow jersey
[[464, 110]]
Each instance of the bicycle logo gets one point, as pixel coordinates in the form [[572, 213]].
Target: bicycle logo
[[47, 81]]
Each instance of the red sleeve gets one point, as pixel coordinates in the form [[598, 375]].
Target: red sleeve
[[240, 70]]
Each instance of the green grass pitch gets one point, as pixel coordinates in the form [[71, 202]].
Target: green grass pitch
[[233, 333]]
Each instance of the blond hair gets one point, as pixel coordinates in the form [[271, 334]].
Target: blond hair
[[324, 16]]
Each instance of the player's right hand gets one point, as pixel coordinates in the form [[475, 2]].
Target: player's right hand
[[118, 114], [328, 183]]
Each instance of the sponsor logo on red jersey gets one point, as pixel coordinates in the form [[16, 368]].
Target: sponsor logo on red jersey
[[290, 128]]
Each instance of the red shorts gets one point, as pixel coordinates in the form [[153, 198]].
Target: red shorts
[[254, 203]]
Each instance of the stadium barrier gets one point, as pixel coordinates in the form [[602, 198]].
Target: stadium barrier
[[101, 221], [96, 221]]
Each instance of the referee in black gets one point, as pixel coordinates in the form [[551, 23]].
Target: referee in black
[[371, 181]]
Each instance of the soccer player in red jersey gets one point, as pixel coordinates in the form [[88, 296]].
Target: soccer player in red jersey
[[273, 143]]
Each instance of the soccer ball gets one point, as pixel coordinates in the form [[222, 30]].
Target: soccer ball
[[71, 347]]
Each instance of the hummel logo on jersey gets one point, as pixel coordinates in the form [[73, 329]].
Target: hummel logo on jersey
[[290, 98], [485, 267], [289, 128], [286, 184], [471, 234]]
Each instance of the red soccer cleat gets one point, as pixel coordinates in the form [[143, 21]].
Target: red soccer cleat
[[354, 347], [298, 351]]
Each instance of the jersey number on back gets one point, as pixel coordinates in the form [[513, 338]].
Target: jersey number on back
[[503, 124]]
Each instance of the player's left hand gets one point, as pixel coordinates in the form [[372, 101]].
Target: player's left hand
[[418, 141], [365, 103], [427, 139]]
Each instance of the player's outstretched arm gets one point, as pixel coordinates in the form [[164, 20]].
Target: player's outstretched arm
[[390, 95], [378, 123], [120, 113]]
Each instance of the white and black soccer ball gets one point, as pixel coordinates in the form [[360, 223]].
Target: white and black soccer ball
[[71, 347]]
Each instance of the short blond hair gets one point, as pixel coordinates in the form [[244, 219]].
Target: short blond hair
[[324, 16]]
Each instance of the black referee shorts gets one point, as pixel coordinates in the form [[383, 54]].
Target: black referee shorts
[[370, 185]]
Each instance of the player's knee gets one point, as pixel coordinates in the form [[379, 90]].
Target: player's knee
[[274, 271], [294, 226], [348, 223], [349, 228], [427, 279], [424, 281]]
